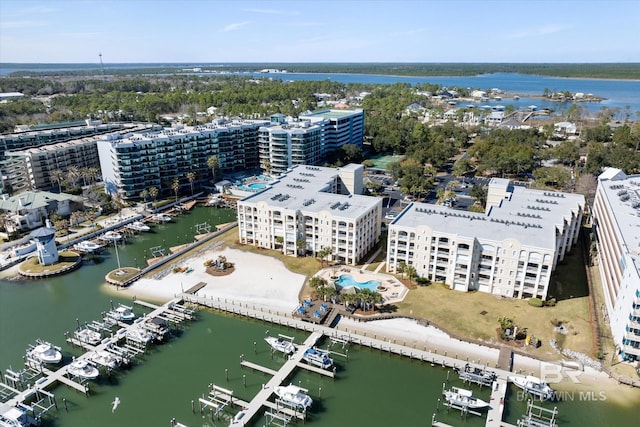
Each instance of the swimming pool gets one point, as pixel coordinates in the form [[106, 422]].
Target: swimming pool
[[257, 185], [346, 280]]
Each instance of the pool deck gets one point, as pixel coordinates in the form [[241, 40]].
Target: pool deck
[[392, 289]]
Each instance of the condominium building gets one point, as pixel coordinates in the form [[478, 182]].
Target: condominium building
[[510, 250], [306, 140], [309, 208], [616, 225], [155, 159], [283, 144], [340, 127], [28, 156]]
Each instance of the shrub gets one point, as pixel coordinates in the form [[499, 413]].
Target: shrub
[[551, 302], [535, 302]]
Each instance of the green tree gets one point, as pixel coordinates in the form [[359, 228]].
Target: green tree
[[175, 186], [191, 177], [153, 192]]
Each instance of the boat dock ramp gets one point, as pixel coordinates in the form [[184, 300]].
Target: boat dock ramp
[[27, 389]]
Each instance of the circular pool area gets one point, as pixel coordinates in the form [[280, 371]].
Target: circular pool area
[[346, 280]]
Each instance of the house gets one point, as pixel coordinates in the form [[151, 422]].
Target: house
[[565, 129], [29, 210]]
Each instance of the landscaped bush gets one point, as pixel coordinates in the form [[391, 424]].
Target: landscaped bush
[[535, 302]]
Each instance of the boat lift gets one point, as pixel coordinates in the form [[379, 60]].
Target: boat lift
[[217, 400], [537, 416], [279, 419], [464, 409]]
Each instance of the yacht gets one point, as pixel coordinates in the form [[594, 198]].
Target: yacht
[[534, 386], [104, 358], [45, 352], [138, 226], [282, 345], [318, 358], [122, 313], [82, 369], [87, 246], [477, 375], [160, 217], [461, 397], [87, 336], [111, 236], [294, 396]]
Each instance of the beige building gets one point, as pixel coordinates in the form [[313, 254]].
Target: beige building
[[309, 208], [510, 250], [616, 225]]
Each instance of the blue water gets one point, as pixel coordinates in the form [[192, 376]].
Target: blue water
[[257, 185], [346, 280], [618, 94]]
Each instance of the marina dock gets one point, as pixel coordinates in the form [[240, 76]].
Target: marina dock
[[40, 377]]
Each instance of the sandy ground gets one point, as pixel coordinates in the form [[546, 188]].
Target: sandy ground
[[263, 280]]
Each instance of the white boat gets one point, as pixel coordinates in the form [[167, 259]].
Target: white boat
[[534, 386], [214, 200], [138, 226], [87, 246], [139, 334], [464, 398], [160, 217], [104, 358], [122, 313], [318, 358], [46, 353], [477, 375], [111, 236], [11, 416], [87, 336], [83, 369], [280, 344], [294, 396]]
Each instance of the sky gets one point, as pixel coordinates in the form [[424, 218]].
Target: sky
[[223, 31]]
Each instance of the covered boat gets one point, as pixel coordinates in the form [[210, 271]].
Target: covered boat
[[318, 358], [104, 358], [294, 396], [122, 313]]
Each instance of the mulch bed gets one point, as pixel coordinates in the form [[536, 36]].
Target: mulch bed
[[218, 273]]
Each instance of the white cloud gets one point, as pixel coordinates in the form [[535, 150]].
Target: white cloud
[[20, 24], [535, 32], [234, 26]]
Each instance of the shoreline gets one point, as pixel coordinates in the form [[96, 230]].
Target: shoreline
[[264, 281]]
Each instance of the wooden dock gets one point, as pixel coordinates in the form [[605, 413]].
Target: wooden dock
[[496, 403]]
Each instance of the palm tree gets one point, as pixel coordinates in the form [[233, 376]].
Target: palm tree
[[301, 244], [57, 176], [73, 175], [191, 177], [213, 162], [153, 192], [401, 268], [324, 253], [175, 186], [411, 271]]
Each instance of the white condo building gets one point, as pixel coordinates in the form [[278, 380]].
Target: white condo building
[[616, 224], [309, 208], [510, 250]]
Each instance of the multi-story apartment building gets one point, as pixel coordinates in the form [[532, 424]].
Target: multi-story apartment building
[[339, 127], [155, 159], [306, 140], [283, 144], [510, 250], [28, 156], [309, 208], [616, 225]]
